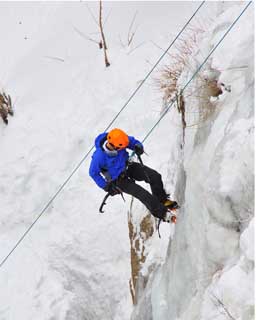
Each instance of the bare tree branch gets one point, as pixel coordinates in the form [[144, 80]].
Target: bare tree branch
[[131, 35], [156, 45], [92, 15], [85, 36], [139, 45], [107, 17], [55, 58]]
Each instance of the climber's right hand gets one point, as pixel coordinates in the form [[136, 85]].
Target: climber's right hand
[[112, 189]]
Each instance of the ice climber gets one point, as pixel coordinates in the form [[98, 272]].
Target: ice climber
[[112, 171]]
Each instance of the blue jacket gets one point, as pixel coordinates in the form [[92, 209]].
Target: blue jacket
[[102, 161]]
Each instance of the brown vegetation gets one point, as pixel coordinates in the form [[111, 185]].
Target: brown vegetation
[[169, 75], [5, 106], [206, 85]]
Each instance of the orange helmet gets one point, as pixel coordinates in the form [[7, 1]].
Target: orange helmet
[[118, 138]]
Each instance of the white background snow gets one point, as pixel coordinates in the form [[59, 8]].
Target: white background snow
[[75, 263]]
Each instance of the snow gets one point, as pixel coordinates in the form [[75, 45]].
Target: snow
[[207, 273], [247, 240], [75, 263]]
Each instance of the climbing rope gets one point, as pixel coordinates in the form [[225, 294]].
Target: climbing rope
[[196, 72], [155, 65], [147, 135], [92, 147]]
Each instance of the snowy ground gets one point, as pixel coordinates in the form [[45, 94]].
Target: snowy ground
[[74, 263]]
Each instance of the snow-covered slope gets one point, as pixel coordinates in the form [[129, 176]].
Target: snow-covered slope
[[74, 263]]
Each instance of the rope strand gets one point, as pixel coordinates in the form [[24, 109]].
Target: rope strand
[[89, 151], [92, 147], [196, 72], [155, 65]]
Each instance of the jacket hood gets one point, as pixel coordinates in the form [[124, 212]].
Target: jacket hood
[[99, 139]]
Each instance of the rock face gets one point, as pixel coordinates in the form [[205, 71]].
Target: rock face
[[138, 235]]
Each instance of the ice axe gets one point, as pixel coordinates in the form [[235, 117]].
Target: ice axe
[[104, 202], [107, 196]]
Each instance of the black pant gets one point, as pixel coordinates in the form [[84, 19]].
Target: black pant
[[137, 172]]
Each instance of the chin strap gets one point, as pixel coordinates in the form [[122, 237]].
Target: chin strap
[[112, 153]]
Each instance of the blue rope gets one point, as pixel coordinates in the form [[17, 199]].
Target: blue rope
[[196, 72], [89, 151], [157, 62]]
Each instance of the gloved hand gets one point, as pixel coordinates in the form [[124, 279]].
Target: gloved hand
[[139, 149], [112, 189]]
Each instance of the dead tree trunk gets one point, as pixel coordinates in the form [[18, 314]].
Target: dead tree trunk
[[103, 42]]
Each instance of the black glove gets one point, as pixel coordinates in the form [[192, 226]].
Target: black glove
[[139, 149], [112, 189]]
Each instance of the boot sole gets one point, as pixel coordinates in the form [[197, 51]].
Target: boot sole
[[174, 216], [176, 207]]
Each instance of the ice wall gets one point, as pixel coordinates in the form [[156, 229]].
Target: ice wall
[[208, 271]]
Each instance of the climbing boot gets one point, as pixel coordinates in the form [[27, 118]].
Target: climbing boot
[[170, 205]]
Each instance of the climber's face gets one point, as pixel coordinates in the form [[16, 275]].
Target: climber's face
[[110, 146]]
